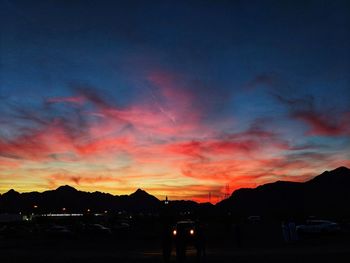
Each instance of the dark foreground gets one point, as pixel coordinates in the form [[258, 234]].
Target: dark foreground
[[256, 244], [101, 252]]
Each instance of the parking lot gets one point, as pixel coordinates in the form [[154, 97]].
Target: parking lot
[[142, 242]]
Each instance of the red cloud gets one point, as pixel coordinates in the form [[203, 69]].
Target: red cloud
[[237, 144], [6, 163], [319, 121], [106, 128], [325, 124], [163, 138]]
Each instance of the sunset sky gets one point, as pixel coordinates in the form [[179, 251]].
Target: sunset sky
[[179, 98]]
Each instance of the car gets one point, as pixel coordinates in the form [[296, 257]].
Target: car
[[120, 229], [318, 226], [120, 226], [97, 229], [184, 230], [188, 233], [58, 231]]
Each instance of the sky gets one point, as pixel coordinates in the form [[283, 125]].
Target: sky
[[179, 98]]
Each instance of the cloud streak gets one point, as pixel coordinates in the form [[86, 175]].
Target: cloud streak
[[162, 141], [319, 121]]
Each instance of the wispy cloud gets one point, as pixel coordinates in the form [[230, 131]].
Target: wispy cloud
[[320, 121], [161, 141]]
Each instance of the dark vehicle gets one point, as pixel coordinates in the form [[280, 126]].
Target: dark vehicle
[[120, 229], [97, 229], [120, 226], [318, 226], [185, 230], [188, 233], [58, 231]]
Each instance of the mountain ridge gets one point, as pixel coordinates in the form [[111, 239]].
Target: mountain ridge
[[279, 198], [324, 195]]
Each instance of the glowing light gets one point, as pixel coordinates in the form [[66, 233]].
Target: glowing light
[[59, 215], [174, 232], [191, 231]]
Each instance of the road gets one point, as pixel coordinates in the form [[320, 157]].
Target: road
[[109, 253]]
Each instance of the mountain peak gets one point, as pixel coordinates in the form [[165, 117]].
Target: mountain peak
[[139, 192], [341, 169], [66, 188], [339, 173], [11, 192]]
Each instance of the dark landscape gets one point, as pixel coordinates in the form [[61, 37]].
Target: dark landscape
[[236, 229], [174, 131]]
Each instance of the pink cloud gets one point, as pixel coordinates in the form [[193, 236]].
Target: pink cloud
[[75, 100], [163, 137], [320, 121]]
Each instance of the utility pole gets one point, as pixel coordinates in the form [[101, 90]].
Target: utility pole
[[227, 191]]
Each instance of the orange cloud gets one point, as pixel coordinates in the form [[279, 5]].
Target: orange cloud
[[162, 143]]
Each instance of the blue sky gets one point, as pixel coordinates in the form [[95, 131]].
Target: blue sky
[[273, 71]]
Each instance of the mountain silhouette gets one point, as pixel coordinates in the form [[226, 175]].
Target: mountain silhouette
[[325, 195], [66, 189], [68, 199]]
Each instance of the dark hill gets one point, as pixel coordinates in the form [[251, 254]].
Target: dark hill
[[69, 199], [325, 195]]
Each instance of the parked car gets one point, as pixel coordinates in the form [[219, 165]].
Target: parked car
[[97, 229], [318, 226], [58, 231], [120, 227]]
